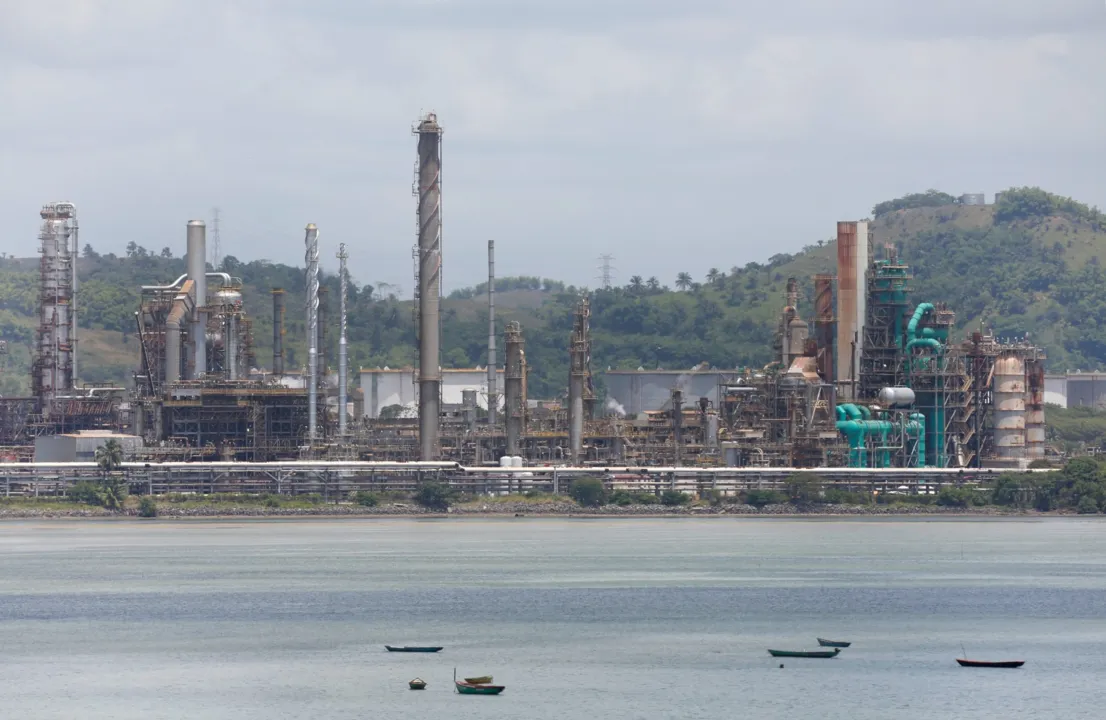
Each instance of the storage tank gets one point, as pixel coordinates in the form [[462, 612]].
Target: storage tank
[[516, 461], [1009, 390], [896, 397], [505, 461]]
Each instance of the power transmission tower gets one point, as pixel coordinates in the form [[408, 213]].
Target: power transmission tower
[[216, 250], [606, 271]]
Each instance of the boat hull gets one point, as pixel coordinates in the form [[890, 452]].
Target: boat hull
[[991, 664], [469, 689], [823, 654], [833, 643], [391, 648]]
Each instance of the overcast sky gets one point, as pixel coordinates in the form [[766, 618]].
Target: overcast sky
[[675, 135]]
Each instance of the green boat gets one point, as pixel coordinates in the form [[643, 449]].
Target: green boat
[[805, 653], [468, 689], [833, 643]]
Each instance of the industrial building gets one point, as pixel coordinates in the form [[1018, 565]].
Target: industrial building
[[865, 375]]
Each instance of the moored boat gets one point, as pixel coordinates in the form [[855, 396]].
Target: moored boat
[[480, 680], [412, 648], [805, 653], [833, 643], [990, 663], [469, 689], [417, 684]]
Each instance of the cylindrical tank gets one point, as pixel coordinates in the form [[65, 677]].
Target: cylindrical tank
[[896, 397], [1009, 416], [197, 271], [516, 461], [505, 461]]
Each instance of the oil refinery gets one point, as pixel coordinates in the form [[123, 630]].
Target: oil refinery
[[865, 377]]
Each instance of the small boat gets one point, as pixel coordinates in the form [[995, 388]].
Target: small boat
[[467, 688], [990, 663], [411, 648], [805, 653], [417, 684], [833, 643], [481, 680]]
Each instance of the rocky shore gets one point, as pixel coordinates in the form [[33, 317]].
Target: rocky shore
[[495, 509]]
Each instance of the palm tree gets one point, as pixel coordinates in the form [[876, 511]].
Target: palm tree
[[712, 275], [683, 281], [636, 283], [109, 456], [653, 284]]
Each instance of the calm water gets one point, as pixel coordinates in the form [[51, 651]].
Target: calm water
[[579, 618]]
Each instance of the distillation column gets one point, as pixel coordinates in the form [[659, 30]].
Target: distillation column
[[493, 395], [514, 386], [342, 350], [197, 271], [429, 285], [278, 332], [53, 365]]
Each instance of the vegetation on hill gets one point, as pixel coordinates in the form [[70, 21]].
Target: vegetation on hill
[[1026, 266]]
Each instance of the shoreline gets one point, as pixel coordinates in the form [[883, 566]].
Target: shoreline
[[520, 510]]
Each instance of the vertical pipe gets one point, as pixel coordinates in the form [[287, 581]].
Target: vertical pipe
[[677, 425], [278, 332], [861, 274], [342, 350], [324, 318], [514, 372], [197, 271], [232, 347], [824, 325], [430, 265], [493, 395], [311, 240]]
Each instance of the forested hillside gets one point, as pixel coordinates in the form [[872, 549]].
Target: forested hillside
[[1030, 264]]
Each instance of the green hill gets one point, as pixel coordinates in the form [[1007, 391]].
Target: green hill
[[1029, 264]]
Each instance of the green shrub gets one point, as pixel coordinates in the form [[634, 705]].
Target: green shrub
[[760, 498], [674, 498], [713, 496], [837, 496], [147, 508], [803, 488], [1087, 506], [588, 491], [271, 501], [313, 498], [961, 497], [85, 492], [629, 497], [434, 496], [366, 499]]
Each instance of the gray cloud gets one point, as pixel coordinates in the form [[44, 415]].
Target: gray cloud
[[676, 136]]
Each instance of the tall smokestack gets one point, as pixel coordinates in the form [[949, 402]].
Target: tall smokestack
[[577, 376], [197, 272], [312, 262], [75, 255], [278, 332], [493, 395], [430, 282], [514, 386], [852, 267], [342, 351]]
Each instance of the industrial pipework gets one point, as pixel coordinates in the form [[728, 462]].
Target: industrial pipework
[[197, 271], [514, 386], [429, 282], [311, 240], [342, 357], [54, 370], [493, 396]]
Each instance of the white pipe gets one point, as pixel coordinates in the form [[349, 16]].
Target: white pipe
[[174, 286]]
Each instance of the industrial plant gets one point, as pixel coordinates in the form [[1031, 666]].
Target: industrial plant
[[865, 376]]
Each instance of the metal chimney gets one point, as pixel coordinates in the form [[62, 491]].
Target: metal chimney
[[197, 272], [311, 240], [493, 395], [430, 284]]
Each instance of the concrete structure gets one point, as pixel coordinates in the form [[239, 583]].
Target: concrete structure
[[81, 446], [637, 391], [1010, 397], [429, 286], [852, 269], [384, 387], [973, 199]]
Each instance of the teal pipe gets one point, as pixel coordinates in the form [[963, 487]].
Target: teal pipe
[[916, 428], [864, 411], [856, 431], [919, 313], [840, 413], [931, 343], [852, 412]]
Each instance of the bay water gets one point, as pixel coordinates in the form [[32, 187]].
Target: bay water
[[579, 618]]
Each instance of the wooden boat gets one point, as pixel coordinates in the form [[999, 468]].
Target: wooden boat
[[411, 648], [417, 684], [805, 653], [833, 643], [469, 689], [481, 680], [990, 663]]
